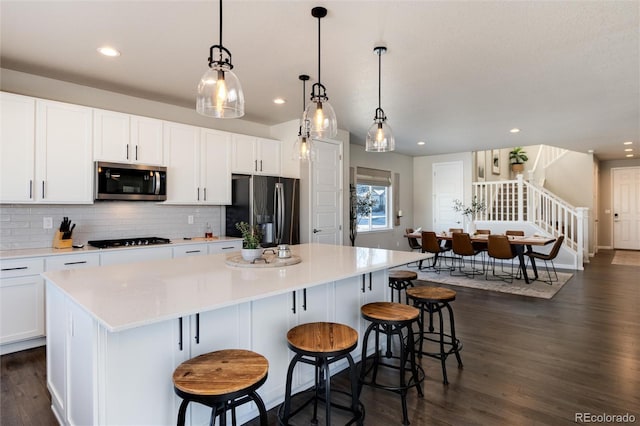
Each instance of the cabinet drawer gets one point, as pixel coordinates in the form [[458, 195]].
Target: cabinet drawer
[[190, 250], [21, 267], [72, 261], [225, 247]]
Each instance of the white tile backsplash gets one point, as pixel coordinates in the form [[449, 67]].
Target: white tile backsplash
[[21, 225]]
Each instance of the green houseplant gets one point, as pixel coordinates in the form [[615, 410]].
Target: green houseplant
[[251, 237], [517, 158]]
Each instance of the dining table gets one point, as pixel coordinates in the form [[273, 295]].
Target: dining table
[[519, 244]]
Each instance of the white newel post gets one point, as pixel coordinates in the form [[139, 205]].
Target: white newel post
[[582, 245], [520, 186]]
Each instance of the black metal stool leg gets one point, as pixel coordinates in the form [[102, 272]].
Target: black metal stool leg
[[182, 412], [454, 340], [443, 357]]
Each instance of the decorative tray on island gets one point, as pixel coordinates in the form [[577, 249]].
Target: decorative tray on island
[[267, 260]]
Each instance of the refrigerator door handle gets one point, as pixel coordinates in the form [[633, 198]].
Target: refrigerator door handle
[[278, 203]]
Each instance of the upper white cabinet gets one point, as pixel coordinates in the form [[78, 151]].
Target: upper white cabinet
[[197, 162], [119, 137], [17, 148], [252, 155]]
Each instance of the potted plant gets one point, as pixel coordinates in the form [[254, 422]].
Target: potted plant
[[469, 213], [251, 237], [517, 158], [361, 205]]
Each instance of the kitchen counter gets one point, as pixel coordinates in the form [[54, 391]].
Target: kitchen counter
[[126, 296], [50, 251]]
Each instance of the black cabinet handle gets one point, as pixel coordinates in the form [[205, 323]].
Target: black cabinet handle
[[293, 309], [370, 279], [42, 189], [180, 338], [14, 269], [255, 165], [205, 194], [260, 165], [198, 193], [363, 283], [30, 189], [228, 248], [136, 152], [304, 299], [127, 151], [76, 263], [198, 328], [192, 251]]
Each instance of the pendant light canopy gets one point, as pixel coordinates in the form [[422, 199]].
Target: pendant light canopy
[[379, 136], [219, 91], [303, 147], [319, 112]]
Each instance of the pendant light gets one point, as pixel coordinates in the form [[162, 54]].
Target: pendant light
[[303, 147], [379, 136], [219, 92], [319, 113]]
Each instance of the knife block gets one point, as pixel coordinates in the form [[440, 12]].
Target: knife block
[[59, 243]]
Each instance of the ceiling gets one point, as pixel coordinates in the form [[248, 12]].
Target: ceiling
[[457, 74]]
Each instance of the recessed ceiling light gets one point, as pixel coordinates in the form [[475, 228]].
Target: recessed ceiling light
[[590, 151], [279, 101], [627, 143], [628, 149], [629, 155], [515, 130], [108, 51], [421, 143]]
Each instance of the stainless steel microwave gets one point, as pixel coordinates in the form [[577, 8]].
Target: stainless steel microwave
[[133, 182]]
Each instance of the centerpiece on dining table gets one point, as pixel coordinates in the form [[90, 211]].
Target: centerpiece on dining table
[[470, 213]]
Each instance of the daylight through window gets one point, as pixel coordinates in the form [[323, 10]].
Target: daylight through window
[[373, 189]]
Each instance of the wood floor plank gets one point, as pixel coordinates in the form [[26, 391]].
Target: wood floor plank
[[526, 361]]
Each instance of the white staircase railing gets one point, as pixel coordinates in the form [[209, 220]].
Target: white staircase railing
[[517, 200]]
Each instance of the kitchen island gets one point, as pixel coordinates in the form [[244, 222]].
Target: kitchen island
[[116, 333]]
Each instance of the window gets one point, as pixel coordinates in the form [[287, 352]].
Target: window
[[373, 190]]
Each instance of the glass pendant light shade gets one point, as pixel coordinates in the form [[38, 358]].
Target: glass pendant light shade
[[220, 94], [322, 119], [380, 138], [303, 149]]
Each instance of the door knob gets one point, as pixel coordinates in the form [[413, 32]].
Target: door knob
[[315, 231]]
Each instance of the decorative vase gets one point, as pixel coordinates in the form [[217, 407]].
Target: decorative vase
[[251, 254], [471, 227]]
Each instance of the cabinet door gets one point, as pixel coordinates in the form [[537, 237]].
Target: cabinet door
[[17, 148], [63, 153], [268, 157], [190, 250], [243, 154], [111, 141], [215, 167], [146, 140], [21, 308], [181, 155], [225, 246], [348, 295], [72, 261], [133, 255]]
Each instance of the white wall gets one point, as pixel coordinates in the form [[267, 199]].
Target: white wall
[[396, 163]]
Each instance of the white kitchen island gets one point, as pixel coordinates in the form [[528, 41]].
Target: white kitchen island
[[116, 333]]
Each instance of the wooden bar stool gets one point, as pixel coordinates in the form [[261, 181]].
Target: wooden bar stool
[[435, 300], [221, 380], [391, 319], [400, 280], [321, 344]]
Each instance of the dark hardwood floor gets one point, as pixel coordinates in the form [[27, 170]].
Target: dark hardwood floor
[[526, 361]]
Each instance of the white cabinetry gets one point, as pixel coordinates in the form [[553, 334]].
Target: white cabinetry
[[225, 246], [252, 155], [133, 255], [17, 148], [190, 250], [126, 138], [71, 261], [46, 152], [21, 300], [198, 165], [63, 153]]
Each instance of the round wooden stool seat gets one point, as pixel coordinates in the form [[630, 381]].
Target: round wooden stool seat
[[221, 380], [220, 373], [401, 280], [327, 338], [389, 312], [432, 294], [403, 275]]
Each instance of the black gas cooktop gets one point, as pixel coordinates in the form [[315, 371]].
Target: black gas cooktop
[[129, 242]]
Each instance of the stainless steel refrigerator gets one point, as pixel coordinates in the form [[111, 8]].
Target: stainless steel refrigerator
[[271, 202]]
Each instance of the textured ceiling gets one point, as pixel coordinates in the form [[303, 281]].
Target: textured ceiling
[[457, 74]]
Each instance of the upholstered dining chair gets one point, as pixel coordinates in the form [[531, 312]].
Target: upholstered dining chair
[[449, 243], [431, 244], [482, 246], [462, 248], [498, 247], [413, 245], [548, 258]]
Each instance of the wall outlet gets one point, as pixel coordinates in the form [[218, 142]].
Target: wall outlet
[[190, 219], [47, 223]]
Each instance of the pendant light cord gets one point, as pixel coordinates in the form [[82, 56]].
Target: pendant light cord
[[221, 24], [379, 76], [319, 80]]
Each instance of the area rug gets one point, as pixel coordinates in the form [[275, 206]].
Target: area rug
[[537, 289], [626, 257]]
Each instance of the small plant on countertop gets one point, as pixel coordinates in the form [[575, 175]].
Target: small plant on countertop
[[251, 235]]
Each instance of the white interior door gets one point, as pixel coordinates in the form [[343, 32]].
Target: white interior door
[[326, 194], [626, 208], [447, 186]]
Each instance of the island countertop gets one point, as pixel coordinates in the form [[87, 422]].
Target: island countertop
[[131, 295]]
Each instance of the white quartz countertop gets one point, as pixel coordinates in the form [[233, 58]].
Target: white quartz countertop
[[50, 251], [131, 295]]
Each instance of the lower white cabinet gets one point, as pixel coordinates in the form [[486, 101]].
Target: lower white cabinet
[[135, 255], [225, 246], [71, 261], [190, 250]]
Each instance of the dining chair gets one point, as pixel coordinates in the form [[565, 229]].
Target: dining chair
[[548, 258], [449, 243], [462, 248], [498, 247], [431, 244], [481, 246], [413, 244]]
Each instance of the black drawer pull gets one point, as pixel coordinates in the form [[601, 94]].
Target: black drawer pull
[[228, 248], [192, 251], [76, 263], [15, 269]]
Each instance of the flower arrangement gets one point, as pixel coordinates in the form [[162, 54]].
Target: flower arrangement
[[477, 206], [252, 235]]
